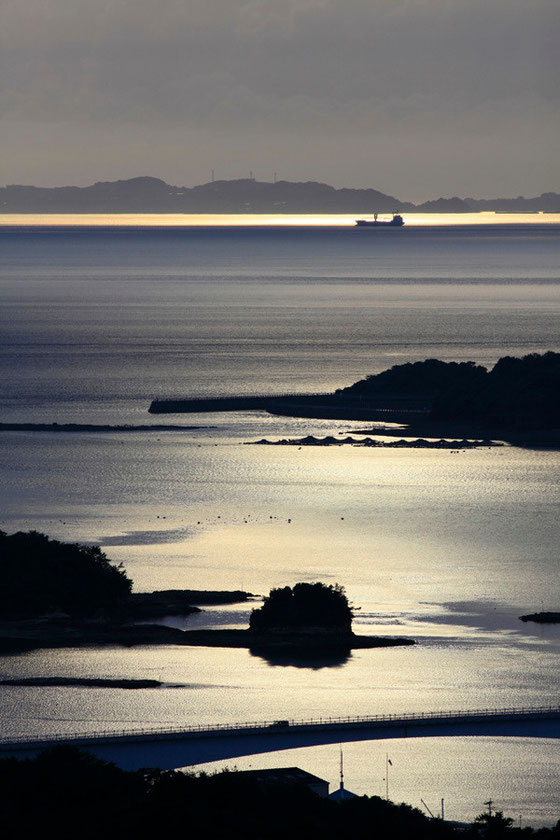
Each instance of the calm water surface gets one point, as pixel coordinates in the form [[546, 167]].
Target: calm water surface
[[447, 548]]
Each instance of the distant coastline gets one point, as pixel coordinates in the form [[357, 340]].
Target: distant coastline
[[146, 194]]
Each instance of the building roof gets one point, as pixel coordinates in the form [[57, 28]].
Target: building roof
[[342, 793], [294, 775]]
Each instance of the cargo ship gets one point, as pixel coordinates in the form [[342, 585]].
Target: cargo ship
[[396, 221]]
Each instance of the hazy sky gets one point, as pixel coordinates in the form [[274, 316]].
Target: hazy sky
[[418, 98]]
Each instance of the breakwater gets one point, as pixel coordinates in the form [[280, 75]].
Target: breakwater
[[389, 409], [250, 402], [90, 427]]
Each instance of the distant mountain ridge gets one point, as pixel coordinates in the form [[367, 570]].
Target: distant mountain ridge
[[246, 195]]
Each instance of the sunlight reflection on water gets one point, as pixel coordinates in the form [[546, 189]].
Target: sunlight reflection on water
[[447, 549]]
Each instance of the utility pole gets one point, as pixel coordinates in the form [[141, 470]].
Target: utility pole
[[489, 803], [442, 811]]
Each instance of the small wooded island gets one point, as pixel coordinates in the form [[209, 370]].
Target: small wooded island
[[58, 594], [307, 619]]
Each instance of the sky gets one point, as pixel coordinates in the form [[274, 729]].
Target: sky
[[416, 98]]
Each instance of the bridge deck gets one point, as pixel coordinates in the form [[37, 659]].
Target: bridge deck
[[277, 727]]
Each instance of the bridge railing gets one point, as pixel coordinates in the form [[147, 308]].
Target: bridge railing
[[281, 725]]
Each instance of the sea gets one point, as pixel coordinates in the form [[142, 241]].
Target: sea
[[99, 315]]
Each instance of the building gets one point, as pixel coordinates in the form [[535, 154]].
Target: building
[[289, 776]]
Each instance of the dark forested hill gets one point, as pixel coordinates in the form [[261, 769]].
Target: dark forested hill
[[245, 195], [517, 393]]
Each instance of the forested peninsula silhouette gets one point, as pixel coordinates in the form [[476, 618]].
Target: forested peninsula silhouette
[[517, 393], [517, 400], [244, 195]]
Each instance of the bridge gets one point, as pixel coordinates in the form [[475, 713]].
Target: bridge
[[192, 745]]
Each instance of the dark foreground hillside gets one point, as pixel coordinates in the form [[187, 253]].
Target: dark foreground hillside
[[71, 794]]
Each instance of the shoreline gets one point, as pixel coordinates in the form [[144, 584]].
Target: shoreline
[[292, 642], [542, 617], [23, 636], [81, 682], [93, 427], [127, 627], [178, 602]]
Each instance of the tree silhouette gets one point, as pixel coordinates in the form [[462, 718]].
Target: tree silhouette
[[304, 606], [495, 826], [39, 575]]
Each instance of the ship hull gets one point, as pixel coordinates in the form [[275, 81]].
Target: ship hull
[[367, 223]]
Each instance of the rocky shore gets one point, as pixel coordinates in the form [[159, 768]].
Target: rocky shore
[[82, 682], [33, 634], [126, 627], [382, 444], [542, 617], [289, 641], [91, 427], [20, 636], [163, 602]]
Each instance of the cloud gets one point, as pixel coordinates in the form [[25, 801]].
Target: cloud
[[279, 67]]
